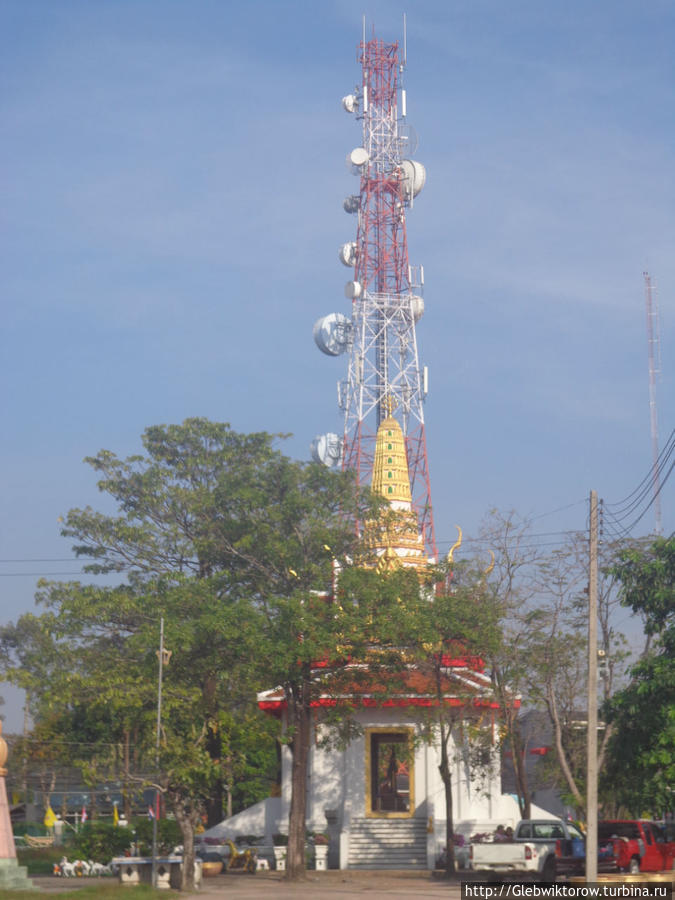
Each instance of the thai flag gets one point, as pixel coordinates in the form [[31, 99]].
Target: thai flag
[[151, 813]]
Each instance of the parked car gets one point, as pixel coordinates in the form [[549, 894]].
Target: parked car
[[541, 849], [635, 845]]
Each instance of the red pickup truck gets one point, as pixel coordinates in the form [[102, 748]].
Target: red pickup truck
[[634, 845]]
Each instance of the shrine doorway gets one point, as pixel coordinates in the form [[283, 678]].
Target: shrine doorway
[[389, 773]]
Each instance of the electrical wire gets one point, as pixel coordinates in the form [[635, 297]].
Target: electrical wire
[[626, 530], [667, 450], [622, 511]]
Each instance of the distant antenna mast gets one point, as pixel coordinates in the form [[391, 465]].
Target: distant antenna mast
[[654, 350]]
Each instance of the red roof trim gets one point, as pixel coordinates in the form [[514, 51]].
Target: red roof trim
[[275, 707]]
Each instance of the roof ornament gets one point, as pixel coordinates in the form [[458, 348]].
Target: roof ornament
[[456, 545]]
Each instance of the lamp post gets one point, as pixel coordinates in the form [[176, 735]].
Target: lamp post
[[592, 717], [164, 656]]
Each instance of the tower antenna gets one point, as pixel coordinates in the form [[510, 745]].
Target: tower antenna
[[654, 352], [384, 375], [405, 41]]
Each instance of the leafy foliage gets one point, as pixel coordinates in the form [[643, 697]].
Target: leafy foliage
[[228, 541], [462, 623], [168, 835], [642, 763], [100, 842]]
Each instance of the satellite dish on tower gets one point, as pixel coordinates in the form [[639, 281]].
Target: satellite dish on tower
[[351, 204], [417, 307], [347, 253], [333, 334], [327, 449], [350, 103], [353, 290], [414, 178], [357, 159]]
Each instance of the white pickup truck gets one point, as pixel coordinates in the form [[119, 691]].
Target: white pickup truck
[[541, 849]]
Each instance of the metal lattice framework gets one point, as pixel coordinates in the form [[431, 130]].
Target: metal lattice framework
[[384, 366]]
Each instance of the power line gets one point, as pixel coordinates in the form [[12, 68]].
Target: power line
[[628, 503], [626, 530], [39, 559]]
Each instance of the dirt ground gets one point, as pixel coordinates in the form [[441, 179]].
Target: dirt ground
[[331, 885]]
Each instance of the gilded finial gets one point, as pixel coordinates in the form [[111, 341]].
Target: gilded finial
[[456, 545]]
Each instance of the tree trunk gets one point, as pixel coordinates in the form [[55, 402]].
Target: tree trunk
[[214, 747], [445, 732], [518, 755], [214, 805], [510, 713], [446, 777], [299, 720], [187, 816], [562, 756]]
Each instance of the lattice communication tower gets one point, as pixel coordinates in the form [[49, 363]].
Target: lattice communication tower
[[385, 291], [654, 355]]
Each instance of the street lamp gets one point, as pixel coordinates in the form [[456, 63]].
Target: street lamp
[[163, 656]]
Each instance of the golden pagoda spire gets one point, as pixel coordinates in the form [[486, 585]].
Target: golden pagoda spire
[[395, 536], [391, 478]]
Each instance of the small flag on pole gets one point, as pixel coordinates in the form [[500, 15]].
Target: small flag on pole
[[151, 813], [116, 815], [84, 816]]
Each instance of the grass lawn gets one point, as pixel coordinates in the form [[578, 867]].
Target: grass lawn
[[94, 892]]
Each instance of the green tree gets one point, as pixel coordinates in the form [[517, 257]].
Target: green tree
[[185, 510], [461, 622], [108, 691], [299, 541], [235, 545], [642, 763]]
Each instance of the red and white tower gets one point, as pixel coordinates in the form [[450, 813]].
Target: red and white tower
[[384, 373]]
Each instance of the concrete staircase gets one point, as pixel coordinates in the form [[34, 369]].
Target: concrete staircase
[[388, 844]]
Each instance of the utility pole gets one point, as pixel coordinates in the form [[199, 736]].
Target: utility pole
[[592, 717]]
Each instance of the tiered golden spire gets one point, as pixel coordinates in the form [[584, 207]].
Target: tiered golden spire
[[391, 478], [395, 537]]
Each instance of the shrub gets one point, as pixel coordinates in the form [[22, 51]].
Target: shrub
[[168, 835], [39, 861], [100, 841]]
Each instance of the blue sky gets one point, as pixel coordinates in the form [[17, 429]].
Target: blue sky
[[173, 176]]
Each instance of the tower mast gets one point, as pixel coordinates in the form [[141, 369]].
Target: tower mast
[[383, 374], [654, 352]]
